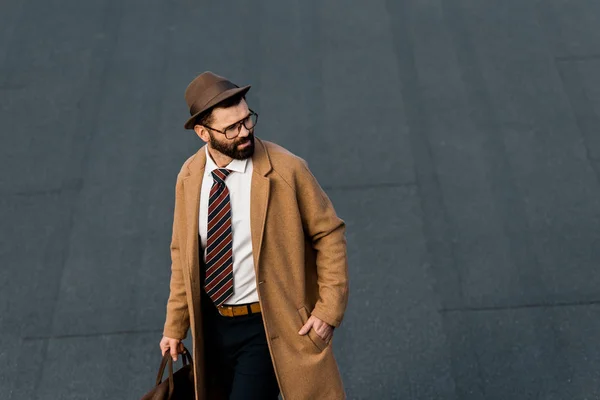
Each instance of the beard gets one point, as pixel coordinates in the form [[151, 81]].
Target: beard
[[230, 148]]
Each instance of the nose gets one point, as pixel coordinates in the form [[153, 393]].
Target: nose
[[244, 132]]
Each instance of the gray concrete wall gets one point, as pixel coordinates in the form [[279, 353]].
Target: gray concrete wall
[[457, 138]]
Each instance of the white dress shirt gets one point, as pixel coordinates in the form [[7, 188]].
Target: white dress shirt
[[238, 183]]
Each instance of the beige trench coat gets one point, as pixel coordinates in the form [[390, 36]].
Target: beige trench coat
[[300, 262]]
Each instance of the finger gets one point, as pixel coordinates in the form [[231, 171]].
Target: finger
[[173, 352], [306, 327], [323, 335], [322, 331]]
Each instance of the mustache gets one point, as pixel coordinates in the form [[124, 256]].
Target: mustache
[[250, 138]]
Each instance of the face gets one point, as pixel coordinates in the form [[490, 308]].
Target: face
[[238, 148]]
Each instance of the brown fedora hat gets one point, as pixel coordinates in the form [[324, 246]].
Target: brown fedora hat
[[206, 91]]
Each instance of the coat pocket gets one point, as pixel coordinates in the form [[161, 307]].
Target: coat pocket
[[312, 334]]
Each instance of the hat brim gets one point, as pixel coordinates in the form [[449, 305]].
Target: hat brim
[[215, 101]]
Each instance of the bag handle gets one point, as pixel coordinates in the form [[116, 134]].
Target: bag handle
[[185, 357], [166, 360]]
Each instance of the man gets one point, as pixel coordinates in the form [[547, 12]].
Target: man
[[259, 265]]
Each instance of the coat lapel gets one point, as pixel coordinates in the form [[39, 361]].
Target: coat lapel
[[191, 186], [259, 199]]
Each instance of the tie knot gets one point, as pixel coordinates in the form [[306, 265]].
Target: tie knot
[[219, 175]]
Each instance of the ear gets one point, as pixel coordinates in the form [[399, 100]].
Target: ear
[[202, 133]]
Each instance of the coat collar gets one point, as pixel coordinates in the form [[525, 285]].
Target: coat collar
[[260, 188]]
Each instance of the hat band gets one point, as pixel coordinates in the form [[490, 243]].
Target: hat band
[[211, 92]]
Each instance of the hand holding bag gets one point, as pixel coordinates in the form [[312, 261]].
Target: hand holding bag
[[179, 385]]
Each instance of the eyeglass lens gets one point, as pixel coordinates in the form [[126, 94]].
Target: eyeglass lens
[[248, 122]]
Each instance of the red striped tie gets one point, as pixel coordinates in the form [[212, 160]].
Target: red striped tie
[[219, 254]]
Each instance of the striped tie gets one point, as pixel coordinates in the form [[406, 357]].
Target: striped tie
[[219, 255]]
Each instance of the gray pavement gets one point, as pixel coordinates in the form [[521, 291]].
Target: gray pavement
[[457, 138]]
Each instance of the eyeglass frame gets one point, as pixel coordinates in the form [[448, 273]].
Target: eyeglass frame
[[240, 122]]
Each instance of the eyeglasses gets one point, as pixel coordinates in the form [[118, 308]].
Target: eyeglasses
[[232, 131]]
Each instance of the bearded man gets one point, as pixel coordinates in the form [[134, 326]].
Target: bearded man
[[258, 260]]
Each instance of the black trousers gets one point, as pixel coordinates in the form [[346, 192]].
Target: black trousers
[[237, 355]]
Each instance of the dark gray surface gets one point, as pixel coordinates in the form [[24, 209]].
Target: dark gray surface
[[468, 127]]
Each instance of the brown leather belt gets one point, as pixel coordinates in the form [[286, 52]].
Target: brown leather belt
[[236, 311]]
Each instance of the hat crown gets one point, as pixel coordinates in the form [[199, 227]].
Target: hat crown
[[206, 91], [200, 84]]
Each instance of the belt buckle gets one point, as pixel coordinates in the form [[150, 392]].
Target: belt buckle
[[223, 309], [235, 311]]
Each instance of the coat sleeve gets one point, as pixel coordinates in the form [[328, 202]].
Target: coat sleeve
[[327, 233], [177, 318]]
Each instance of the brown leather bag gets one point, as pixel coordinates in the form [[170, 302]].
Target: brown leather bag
[[179, 385]]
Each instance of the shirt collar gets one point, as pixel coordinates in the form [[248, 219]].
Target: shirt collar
[[234, 165]]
